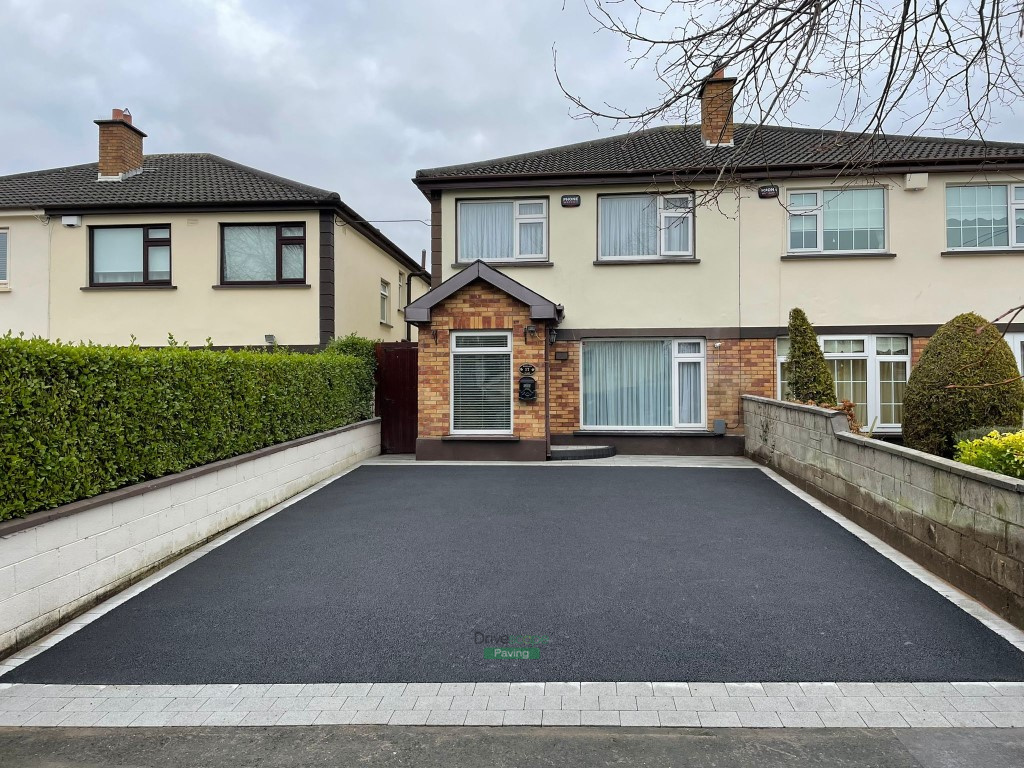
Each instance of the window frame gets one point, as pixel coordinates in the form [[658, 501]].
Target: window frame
[[1012, 207], [676, 357], [662, 214], [818, 211], [5, 284], [505, 350], [1016, 342], [385, 302], [281, 240], [147, 243], [874, 361], [517, 219]]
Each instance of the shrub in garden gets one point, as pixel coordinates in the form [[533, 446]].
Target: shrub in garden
[[78, 420], [1003, 453], [810, 379], [356, 346], [960, 354]]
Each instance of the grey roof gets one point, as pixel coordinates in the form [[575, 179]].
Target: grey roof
[[540, 308], [680, 148], [178, 179]]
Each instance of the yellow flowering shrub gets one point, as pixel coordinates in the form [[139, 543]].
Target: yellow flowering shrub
[[997, 452]]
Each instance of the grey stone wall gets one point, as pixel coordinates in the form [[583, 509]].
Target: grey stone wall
[[964, 524]]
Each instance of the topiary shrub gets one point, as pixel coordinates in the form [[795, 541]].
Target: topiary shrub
[[810, 379], [356, 346], [961, 354]]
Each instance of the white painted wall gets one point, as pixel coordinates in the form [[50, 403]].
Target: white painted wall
[[24, 300], [53, 571]]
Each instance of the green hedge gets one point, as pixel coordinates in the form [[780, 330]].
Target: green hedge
[[1003, 453], [76, 421]]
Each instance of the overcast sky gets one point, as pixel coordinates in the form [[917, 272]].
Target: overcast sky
[[350, 95]]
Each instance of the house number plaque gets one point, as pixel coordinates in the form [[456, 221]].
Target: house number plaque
[[526, 369]]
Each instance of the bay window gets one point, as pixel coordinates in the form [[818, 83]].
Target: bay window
[[263, 253], [645, 227], [869, 371], [836, 220], [130, 255], [502, 230], [985, 216], [643, 384], [481, 371]]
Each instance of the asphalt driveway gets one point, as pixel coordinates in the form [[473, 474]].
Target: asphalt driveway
[[394, 574]]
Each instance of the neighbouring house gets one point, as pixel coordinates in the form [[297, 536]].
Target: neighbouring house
[[643, 303], [191, 245]]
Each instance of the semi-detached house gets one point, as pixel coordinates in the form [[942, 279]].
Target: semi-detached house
[[642, 298], [195, 246]]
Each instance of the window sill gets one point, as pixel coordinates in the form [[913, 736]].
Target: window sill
[[985, 252], [114, 287], [506, 263], [5, 289], [480, 438], [386, 325], [837, 256], [624, 262], [248, 286]]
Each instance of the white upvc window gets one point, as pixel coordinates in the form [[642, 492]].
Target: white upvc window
[[385, 302], [643, 384], [645, 226], [5, 258], [984, 216], [502, 230], [481, 383], [869, 371], [402, 301], [1016, 342], [836, 220]]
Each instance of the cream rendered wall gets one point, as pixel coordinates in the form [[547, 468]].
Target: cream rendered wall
[[671, 295], [25, 298], [919, 286], [741, 279], [194, 311], [359, 267]]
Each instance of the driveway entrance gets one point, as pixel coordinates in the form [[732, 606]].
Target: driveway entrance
[[407, 573]]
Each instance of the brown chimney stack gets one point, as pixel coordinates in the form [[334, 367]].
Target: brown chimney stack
[[716, 108], [120, 147]]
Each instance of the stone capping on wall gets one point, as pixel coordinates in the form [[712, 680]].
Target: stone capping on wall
[[8, 527], [962, 523]]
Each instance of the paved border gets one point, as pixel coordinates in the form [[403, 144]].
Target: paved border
[[705, 705]]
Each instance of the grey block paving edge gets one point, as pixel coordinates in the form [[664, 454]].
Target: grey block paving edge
[[625, 704]]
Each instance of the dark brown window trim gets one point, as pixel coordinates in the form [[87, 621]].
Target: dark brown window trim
[[129, 287], [986, 252], [147, 242], [480, 438], [281, 240], [243, 286], [522, 263], [624, 262], [836, 256]]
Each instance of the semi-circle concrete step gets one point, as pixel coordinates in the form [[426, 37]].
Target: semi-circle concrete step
[[577, 452]]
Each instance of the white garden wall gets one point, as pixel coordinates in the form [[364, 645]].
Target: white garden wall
[[56, 564]]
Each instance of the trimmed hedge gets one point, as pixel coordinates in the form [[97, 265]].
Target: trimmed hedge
[[809, 378], [356, 346], [1003, 453], [974, 360], [76, 421]]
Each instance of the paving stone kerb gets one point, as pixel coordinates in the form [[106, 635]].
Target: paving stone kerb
[[962, 523], [57, 564]]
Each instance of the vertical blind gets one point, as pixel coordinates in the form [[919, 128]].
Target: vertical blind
[[482, 383]]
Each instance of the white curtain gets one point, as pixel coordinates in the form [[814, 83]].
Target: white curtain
[[628, 227], [486, 231], [627, 383], [250, 253], [531, 238], [677, 233], [689, 392], [117, 255]]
